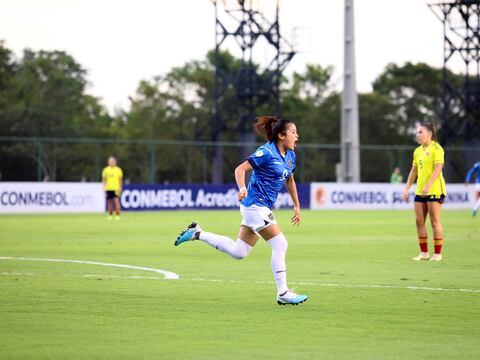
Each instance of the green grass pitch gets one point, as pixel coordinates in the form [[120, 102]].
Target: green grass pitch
[[368, 300]]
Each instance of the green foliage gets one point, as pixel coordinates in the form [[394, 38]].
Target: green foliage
[[43, 94], [379, 125], [7, 73], [416, 92], [46, 98], [49, 88]]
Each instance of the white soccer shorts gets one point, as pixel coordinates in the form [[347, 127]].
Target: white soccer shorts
[[477, 187], [257, 217]]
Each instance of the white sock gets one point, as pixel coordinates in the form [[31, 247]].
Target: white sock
[[477, 205], [237, 249], [279, 246]]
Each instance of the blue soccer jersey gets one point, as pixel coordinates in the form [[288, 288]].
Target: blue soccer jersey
[[270, 170], [474, 170]]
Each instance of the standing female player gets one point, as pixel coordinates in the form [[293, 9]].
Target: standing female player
[[428, 160], [112, 177], [475, 170], [273, 165]]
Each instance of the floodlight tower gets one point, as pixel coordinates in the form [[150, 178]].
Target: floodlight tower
[[350, 151], [461, 47], [241, 27]]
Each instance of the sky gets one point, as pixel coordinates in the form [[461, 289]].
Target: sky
[[120, 42]]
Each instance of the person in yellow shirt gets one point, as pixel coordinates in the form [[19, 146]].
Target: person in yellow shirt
[[112, 177], [428, 160]]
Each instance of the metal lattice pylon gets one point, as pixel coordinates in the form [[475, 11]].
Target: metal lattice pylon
[[253, 85], [461, 34]]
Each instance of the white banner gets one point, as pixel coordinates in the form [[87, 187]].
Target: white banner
[[53, 197], [371, 196]]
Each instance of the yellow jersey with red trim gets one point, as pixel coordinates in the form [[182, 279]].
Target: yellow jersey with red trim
[[112, 176], [424, 159]]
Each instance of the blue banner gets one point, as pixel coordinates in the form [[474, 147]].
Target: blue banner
[[137, 197]]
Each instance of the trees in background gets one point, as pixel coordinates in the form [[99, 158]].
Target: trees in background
[[43, 95]]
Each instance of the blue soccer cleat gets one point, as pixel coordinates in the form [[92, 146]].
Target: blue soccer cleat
[[290, 298], [188, 234]]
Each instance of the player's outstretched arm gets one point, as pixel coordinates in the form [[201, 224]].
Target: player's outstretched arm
[[411, 179], [240, 179], [120, 185], [292, 190]]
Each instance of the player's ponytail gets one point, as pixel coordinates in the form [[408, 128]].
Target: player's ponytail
[[271, 126], [430, 127]]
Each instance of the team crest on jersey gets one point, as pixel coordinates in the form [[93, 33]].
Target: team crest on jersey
[[290, 164], [259, 153], [427, 153]]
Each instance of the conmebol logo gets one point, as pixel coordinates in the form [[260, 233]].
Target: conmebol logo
[[51, 197], [42, 198], [150, 199], [321, 195]]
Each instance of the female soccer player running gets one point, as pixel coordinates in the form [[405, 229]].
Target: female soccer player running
[[475, 170], [273, 165], [428, 160]]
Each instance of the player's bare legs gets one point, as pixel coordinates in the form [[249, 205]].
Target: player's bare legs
[[477, 203], [110, 208], [247, 235], [434, 211], [421, 211], [270, 232], [117, 206]]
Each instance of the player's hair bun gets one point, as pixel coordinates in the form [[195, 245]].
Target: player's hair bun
[[271, 126]]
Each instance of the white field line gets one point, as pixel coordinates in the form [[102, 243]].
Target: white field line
[[360, 286], [87, 275], [167, 274], [365, 286], [17, 273], [123, 277]]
